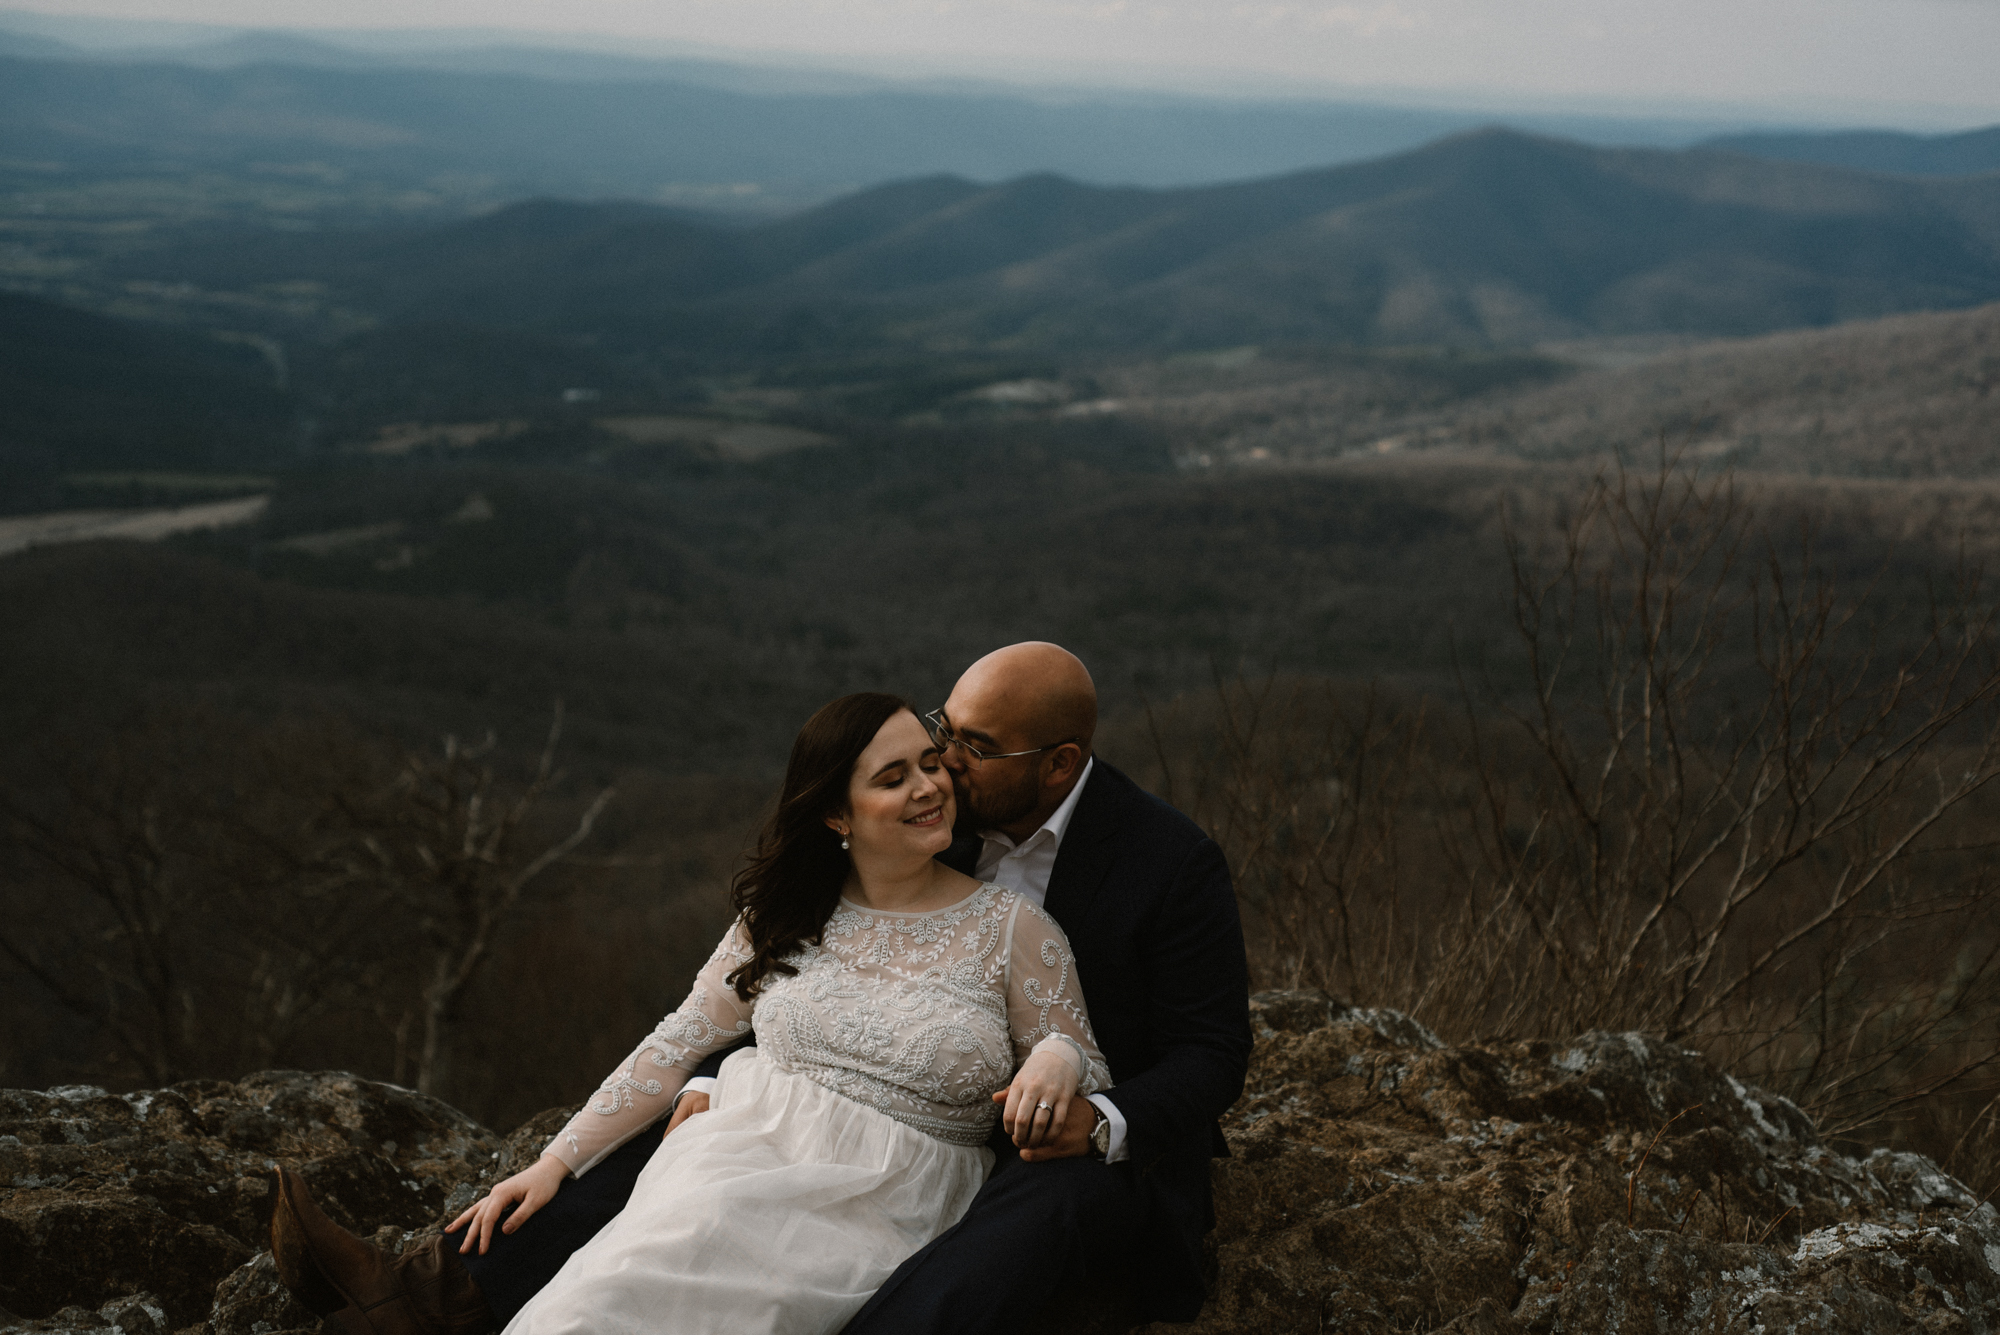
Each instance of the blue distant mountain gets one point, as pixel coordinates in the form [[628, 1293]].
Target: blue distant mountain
[[1487, 239], [587, 125], [29, 46], [1964, 154]]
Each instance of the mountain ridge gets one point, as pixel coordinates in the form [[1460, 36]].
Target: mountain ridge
[[1965, 153], [1492, 238], [591, 124], [585, 138]]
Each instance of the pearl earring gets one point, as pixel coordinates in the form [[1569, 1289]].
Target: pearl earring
[[843, 841]]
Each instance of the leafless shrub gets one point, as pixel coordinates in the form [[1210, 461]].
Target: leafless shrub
[[1705, 844], [454, 856], [109, 924], [1310, 789], [1721, 801], [203, 894], [145, 868]]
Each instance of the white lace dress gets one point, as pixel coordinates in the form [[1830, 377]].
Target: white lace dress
[[851, 1135]]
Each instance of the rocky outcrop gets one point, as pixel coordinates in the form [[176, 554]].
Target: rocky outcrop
[[118, 1211], [1381, 1182]]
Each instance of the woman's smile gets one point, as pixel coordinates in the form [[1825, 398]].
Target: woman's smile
[[928, 818]]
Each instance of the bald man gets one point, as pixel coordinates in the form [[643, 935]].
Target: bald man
[[1121, 1197]]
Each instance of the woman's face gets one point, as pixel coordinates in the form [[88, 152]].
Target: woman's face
[[899, 802]]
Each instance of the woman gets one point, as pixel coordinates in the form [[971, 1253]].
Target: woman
[[899, 1008]]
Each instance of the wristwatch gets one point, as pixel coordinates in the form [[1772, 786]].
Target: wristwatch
[[1100, 1134]]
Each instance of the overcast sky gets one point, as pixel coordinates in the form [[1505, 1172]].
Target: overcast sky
[[1887, 58]]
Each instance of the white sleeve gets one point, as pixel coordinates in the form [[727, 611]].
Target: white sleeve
[[631, 1098], [1045, 1010]]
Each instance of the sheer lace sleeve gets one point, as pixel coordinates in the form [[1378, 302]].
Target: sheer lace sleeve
[[642, 1089], [1045, 1009]]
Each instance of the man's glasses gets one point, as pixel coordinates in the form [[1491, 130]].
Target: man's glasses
[[941, 733]]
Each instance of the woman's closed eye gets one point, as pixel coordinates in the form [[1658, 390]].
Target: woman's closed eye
[[932, 763]]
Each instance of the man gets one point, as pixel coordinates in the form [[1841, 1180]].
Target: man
[[1121, 1197], [1145, 899]]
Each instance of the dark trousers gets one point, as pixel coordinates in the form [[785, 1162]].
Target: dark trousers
[[518, 1265], [1031, 1230]]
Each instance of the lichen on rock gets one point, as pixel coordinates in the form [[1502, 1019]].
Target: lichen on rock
[[1383, 1181], [1380, 1180], [163, 1194]]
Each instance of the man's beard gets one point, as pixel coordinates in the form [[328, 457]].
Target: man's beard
[[989, 810]]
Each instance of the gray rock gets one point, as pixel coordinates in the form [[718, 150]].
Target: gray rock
[[251, 1301], [164, 1192], [1384, 1181], [140, 1314], [1381, 1181]]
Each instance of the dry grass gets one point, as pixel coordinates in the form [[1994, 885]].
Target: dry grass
[[1722, 801]]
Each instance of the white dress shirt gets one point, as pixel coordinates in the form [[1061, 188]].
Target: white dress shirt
[[1023, 868]]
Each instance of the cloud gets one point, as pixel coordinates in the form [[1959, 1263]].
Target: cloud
[[1853, 53], [1366, 19]]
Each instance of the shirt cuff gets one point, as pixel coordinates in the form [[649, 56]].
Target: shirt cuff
[[700, 1084], [1103, 1103]]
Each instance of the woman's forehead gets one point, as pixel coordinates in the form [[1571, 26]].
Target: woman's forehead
[[901, 736]]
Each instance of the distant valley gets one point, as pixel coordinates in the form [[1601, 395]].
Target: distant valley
[[1487, 242], [1912, 397], [312, 243]]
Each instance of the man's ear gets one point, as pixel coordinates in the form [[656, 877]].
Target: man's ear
[[1065, 763]]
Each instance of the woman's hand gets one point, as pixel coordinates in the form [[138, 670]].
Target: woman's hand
[[533, 1187], [1045, 1078]]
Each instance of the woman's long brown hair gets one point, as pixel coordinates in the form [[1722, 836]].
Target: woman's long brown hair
[[790, 886]]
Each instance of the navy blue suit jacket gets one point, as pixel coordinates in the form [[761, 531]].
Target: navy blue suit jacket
[[1146, 901]]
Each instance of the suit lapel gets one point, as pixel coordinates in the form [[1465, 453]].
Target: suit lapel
[[1088, 848]]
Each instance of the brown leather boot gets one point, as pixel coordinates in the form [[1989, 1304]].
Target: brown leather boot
[[358, 1288], [440, 1294]]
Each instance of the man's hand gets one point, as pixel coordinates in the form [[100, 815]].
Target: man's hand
[[690, 1104], [1069, 1140]]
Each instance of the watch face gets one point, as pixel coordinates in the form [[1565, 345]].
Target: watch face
[[1100, 1135]]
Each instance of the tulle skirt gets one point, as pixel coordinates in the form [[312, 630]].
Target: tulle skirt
[[780, 1210]]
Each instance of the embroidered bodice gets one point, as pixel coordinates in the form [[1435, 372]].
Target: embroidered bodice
[[923, 1016]]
